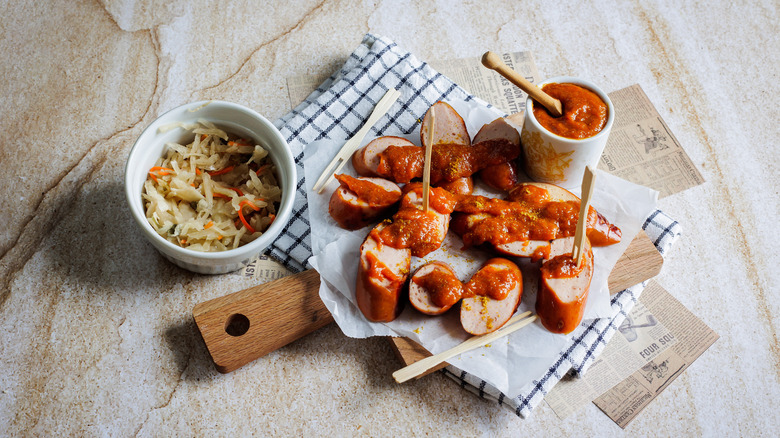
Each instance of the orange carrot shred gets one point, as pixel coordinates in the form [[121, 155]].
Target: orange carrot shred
[[246, 224], [249, 203], [156, 171], [221, 171], [240, 142], [208, 225], [241, 213], [262, 169]]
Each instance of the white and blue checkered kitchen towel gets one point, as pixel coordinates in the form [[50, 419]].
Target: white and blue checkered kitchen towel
[[337, 110]]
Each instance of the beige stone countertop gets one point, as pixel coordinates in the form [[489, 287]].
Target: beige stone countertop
[[96, 331]]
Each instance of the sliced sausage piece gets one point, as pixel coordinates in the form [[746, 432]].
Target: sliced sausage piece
[[600, 231], [498, 128], [563, 289], [505, 175], [448, 126], [366, 159], [463, 223], [491, 296], [360, 201], [500, 176], [382, 273], [434, 288], [535, 249]]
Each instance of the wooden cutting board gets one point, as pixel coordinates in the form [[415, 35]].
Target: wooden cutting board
[[245, 325]]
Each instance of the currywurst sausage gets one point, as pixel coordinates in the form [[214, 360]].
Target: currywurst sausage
[[448, 161], [382, 272], [434, 288], [448, 126], [505, 175], [366, 159], [421, 231], [385, 255], [563, 288], [523, 225], [491, 296], [360, 201]]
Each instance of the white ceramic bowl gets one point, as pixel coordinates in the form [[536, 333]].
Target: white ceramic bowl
[[235, 119]]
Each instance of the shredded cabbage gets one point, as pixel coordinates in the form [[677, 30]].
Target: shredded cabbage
[[214, 194]]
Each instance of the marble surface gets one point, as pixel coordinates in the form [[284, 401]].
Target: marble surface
[[96, 332]]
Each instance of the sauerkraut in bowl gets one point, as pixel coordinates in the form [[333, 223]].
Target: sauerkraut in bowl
[[211, 184], [213, 194]]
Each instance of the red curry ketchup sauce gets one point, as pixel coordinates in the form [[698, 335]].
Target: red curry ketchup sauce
[[584, 113], [416, 229], [444, 288], [532, 218], [494, 281], [448, 161], [562, 266]]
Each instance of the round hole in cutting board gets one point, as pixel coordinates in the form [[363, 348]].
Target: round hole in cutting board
[[237, 324]]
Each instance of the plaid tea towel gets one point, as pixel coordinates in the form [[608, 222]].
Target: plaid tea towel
[[337, 110]]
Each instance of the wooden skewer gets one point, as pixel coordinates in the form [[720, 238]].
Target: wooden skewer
[[427, 163], [351, 145], [516, 323], [588, 179], [494, 62]]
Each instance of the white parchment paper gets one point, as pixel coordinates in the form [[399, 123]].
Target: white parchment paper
[[509, 363]]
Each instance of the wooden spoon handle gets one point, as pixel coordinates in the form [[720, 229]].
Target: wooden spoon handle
[[494, 62]]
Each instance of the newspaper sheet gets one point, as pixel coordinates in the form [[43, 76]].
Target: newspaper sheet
[[658, 340], [265, 269], [643, 150]]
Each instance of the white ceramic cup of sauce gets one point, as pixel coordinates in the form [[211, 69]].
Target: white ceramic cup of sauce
[[551, 158]]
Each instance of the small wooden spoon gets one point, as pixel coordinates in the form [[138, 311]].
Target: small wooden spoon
[[494, 62]]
